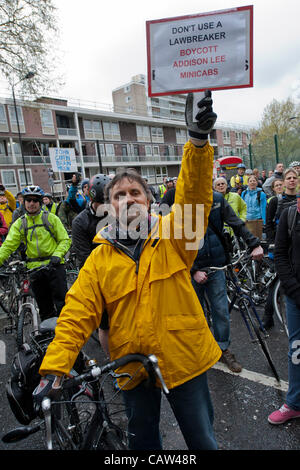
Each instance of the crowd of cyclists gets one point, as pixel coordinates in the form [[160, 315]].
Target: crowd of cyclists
[[160, 312]]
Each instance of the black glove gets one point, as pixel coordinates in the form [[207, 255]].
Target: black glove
[[206, 118], [45, 388], [54, 261]]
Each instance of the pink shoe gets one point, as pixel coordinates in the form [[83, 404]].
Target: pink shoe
[[282, 415]]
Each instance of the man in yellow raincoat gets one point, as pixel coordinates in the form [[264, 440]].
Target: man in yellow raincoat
[[144, 285]]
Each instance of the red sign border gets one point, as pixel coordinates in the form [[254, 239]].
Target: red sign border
[[198, 15]]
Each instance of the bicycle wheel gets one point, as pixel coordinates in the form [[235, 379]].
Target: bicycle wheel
[[5, 290], [28, 321], [71, 277], [279, 306], [71, 420], [253, 327]]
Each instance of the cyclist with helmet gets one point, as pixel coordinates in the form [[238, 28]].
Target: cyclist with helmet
[[84, 225], [240, 179], [296, 166], [49, 204], [46, 242]]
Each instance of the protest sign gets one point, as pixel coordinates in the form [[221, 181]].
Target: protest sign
[[192, 53], [63, 159]]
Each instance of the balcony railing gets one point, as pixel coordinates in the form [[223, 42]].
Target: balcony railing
[[130, 159], [67, 132], [93, 159]]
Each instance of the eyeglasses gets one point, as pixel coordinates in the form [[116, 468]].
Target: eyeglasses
[[32, 199]]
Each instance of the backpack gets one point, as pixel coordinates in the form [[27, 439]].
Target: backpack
[[45, 223], [291, 219], [283, 204], [24, 379]]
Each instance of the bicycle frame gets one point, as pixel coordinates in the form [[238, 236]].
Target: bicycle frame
[[241, 295]]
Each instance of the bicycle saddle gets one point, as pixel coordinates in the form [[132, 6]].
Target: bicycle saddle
[[48, 325]]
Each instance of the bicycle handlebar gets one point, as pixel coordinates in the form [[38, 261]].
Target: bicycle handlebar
[[211, 269], [150, 363]]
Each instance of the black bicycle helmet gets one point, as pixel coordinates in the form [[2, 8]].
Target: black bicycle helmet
[[33, 191], [96, 187]]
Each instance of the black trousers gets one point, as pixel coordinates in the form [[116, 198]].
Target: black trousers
[[49, 289]]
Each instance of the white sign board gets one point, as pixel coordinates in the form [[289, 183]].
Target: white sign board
[[197, 52], [63, 159]]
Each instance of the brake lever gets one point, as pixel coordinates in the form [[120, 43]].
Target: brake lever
[[46, 407], [153, 359]]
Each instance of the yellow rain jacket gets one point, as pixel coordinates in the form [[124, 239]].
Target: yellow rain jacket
[[151, 304], [8, 207]]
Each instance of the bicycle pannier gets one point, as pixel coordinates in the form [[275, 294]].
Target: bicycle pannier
[[24, 378]]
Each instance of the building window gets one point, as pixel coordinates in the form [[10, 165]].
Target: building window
[[148, 150], [8, 179], [3, 119], [47, 121], [92, 129], [181, 136], [148, 172], [124, 150], [2, 148], [127, 99], [157, 134], [22, 177], [127, 89], [226, 137], [161, 172], [227, 151], [239, 137], [156, 152], [13, 119], [110, 150], [111, 130], [143, 133]]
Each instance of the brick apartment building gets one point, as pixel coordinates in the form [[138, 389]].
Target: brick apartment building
[[150, 143]]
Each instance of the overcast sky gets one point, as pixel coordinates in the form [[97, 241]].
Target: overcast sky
[[104, 44]]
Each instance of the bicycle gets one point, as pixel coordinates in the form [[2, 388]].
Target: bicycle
[[28, 313], [245, 305], [263, 276], [82, 418], [13, 282]]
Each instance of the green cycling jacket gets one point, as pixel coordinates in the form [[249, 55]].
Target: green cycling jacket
[[40, 244]]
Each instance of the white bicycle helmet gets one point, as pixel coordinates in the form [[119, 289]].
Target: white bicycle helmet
[[33, 191], [294, 164]]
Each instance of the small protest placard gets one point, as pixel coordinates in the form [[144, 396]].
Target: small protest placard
[[63, 159], [192, 53]]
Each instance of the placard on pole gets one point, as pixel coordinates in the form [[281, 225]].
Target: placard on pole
[[208, 50]]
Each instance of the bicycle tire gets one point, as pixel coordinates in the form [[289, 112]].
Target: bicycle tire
[[254, 324], [25, 326], [279, 306], [71, 276]]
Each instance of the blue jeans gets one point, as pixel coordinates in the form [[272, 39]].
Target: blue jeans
[[192, 408], [293, 320], [215, 288]]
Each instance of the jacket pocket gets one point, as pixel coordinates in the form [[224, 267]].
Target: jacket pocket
[[184, 322]]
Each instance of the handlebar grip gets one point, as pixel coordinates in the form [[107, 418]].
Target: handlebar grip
[[122, 361]]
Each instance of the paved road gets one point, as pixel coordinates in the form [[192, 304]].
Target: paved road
[[241, 402]]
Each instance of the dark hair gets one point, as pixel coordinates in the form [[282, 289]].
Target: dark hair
[[274, 181], [131, 175]]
